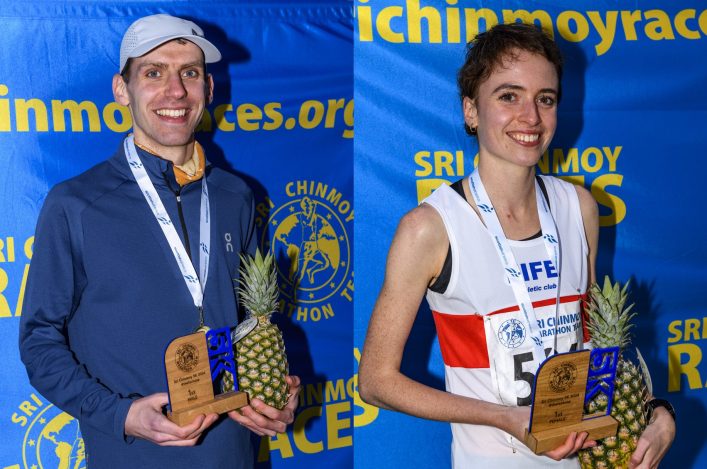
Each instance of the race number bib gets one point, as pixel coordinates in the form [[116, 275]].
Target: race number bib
[[513, 356]]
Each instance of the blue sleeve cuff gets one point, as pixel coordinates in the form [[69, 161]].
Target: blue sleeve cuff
[[121, 414]]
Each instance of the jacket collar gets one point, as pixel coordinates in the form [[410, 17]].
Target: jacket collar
[[161, 172]]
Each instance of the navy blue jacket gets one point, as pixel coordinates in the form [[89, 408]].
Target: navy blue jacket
[[105, 296]]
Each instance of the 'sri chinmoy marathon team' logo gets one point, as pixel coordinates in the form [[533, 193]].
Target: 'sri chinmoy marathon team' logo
[[309, 237], [52, 438]]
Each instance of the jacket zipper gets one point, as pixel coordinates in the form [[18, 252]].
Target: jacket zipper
[[182, 222], [178, 195]]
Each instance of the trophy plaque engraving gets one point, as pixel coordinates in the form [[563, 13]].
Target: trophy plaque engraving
[[193, 363], [563, 384]]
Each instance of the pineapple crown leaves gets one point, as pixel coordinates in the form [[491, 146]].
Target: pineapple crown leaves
[[258, 288], [609, 319]]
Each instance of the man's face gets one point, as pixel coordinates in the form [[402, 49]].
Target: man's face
[[166, 92]]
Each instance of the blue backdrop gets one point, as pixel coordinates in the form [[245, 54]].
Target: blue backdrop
[[631, 129], [282, 119]]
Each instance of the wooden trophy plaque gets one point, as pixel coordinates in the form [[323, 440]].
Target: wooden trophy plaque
[[563, 384], [193, 363]]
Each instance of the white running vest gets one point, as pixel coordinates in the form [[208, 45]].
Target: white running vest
[[476, 318]]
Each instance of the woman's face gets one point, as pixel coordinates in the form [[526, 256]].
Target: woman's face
[[515, 111]]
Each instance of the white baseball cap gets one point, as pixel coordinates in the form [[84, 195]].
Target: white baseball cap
[[152, 31]]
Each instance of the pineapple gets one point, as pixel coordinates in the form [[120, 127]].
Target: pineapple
[[609, 323], [260, 355]]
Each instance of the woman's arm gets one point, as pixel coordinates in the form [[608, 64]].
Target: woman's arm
[[416, 257]]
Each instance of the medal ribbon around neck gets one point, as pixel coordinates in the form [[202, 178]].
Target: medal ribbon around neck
[[514, 277], [194, 284]]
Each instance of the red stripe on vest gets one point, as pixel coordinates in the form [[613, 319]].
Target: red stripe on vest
[[462, 340], [540, 303]]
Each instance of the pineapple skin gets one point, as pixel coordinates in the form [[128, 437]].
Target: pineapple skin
[[628, 410], [609, 323], [262, 364]]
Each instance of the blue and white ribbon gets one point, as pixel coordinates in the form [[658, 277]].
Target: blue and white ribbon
[[505, 253], [196, 285]]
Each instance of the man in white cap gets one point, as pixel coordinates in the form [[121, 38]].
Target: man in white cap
[[121, 260]]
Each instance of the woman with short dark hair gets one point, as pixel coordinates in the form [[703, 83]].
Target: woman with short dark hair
[[503, 257]]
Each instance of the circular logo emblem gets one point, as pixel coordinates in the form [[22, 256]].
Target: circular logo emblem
[[309, 239], [511, 333], [563, 377], [53, 440], [187, 357]]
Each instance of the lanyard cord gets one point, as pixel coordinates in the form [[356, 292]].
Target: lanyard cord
[[513, 274], [195, 284]]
